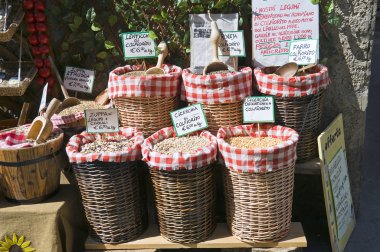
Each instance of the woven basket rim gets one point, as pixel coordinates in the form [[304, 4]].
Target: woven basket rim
[[186, 73], [173, 71]]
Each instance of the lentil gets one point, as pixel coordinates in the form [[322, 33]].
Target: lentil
[[189, 144], [248, 142]]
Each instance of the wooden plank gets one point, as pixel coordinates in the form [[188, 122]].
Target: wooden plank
[[221, 238], [311, 167]]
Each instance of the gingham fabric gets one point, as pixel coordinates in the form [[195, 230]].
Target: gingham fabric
[[178, 161], [133, 153], [166, 85], [61, 120], [296, 86], [260, 160], [217, 88]]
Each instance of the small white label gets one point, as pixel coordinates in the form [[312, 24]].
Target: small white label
[[79, 79], [258, 109], [231, 43], [102, 120], [43, 98], [303, 52], [138, 45], [189, 119]]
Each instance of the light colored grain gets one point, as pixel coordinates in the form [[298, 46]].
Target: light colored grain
[[172, 145], [248, 142], [80, 108], [109, 145]]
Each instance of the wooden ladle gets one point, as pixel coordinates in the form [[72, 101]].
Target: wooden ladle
[[163, 53], [68, 101], [41, 127], [287, 70], [215, 65]]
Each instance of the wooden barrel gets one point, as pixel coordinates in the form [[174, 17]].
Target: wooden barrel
[[30, 175]]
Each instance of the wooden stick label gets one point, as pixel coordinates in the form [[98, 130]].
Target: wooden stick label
[[102, 120], [79, 79], [258, 109], [232, 43], [189, 119]]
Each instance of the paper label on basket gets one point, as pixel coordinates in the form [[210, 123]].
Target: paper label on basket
[[258, 109], [102, 120], [232, 43], [303, 52], [79, 79], [138, 45], [189, 119], [43, 98]]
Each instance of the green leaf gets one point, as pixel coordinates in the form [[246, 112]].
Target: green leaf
[[152, 35], [99, 36], [157, 18], [220, 4], [314, 1], [96, 26], [112, 20], [102, 55], [108, 44], [77, 21], [196, 1], [330, 6], [164, 14], [73, 27], [91, 14], [99, 66]]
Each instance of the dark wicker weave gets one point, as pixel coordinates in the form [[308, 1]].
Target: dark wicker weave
[[259, 206], [303, 114], [112, 198], [185, 203]]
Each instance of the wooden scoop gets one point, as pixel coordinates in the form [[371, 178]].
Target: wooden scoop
[[41, 127], [163, 53], [68, 101], [288, 70], [215, 65], [102, 98]]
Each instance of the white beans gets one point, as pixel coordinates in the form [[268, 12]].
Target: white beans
[[172, 145]]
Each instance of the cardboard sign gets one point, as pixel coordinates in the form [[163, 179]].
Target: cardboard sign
[[102, 120], [277, 22], [138, 45], [43, 98], [79, 79], [232, 44], [189, 119], [303, 52], [258, 109], [336, 184]]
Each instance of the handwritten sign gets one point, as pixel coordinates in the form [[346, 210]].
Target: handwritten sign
[[138, 45], [303, 52], [277, 22], [232, 44], [188, 119], [43, 98], [102, 120], [258, 109], [79, 79], [336, 184]]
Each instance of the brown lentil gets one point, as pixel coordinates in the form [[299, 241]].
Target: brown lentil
[[189, 144], [80, 108], [248, 142]]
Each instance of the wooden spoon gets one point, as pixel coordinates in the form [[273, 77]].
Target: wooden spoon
[[23, 114], [215, 65], [163, 53], [68, 101], [102, 98], [41, 127], [288, 70]]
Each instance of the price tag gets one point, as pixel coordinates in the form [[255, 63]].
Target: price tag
[[232, 44], [79, 79], [258, 109], [102, 120], [43, 98], [303, 52], [189, 119], [138, 45]]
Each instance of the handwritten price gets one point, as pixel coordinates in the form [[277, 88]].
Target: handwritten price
[[141, 50]]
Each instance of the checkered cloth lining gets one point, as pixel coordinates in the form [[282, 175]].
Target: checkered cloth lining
[[217, 88], [297, 86], [178, 161], [133, 153], [16, 139], [261, 160], [165, 85]]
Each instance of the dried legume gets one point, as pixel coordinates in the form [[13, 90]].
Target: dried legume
[[80, 108], [189, 144], [109, 145], [248, 142]]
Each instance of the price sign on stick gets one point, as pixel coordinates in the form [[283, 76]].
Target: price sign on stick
[[258, 109], [231, 43], [79, 79], [303, 52], [102, 120], [138, 45], [43, 98], [188, 119]]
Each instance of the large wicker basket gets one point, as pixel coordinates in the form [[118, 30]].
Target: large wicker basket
[[259, 183]]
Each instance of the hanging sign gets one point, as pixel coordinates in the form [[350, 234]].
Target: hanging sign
[[102, 120], [79, 79], [303, 52], [336, 184], [258, 109], [43, 98], [232, 44], [138, 45], [276, 23], [189, 119]]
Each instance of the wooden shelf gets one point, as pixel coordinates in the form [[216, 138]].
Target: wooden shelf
[[311, 167], [221, 238]]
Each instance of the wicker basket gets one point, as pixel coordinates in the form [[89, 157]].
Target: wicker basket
[[27, 75], [16, 17], [259, 184]]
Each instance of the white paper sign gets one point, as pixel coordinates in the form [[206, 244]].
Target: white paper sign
[[189, 119], [102, 120], [258, 109], [43, 98], [277, 22], [232, 44], [79, 79], [138, 45], [200, 31], [303, 52]]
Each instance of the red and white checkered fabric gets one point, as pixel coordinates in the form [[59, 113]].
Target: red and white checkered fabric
[[61, 120], [133, 153], [296, 86], [260, 160], [165, 85], [178, 161], [217, 88]]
